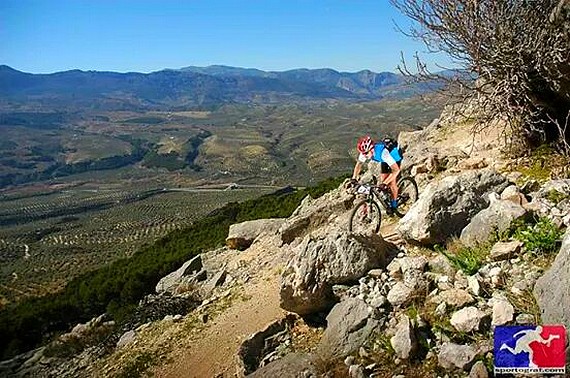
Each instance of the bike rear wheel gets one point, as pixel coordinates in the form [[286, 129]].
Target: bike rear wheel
[[407, 195], [365, 217]]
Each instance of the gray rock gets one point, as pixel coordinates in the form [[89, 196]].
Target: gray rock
[[337, 258], [505, 250], [510, 191], [467, 319], [461, 281], [252, 349], [513, 194], [356, 371], [453, 356], [404, 341], [497, 218], [377, 301], [446, 207], [400, 295], [127, 338], [478, 370], [455, 297], [375, 273], [552, 290], [441, 309], [241, 235], [503, 312], [216, 280], [474, 284], [417, 263], [412, 269], [560, 186], [291, 365], [348, 326], [394, 268], [441, 264], [190, 271]]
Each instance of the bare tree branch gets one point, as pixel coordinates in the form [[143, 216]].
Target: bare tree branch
[[519, 51]]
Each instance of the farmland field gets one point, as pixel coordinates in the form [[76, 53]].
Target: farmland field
[[48, 238], [81, 189]]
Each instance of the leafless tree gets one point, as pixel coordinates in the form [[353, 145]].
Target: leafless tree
[[518, 51]]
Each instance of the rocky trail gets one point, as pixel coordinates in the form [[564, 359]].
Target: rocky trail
[[213, 354], [304, 297]]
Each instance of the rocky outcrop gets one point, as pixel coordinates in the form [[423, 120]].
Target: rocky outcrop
[[492, 221], [188, 274], [241, 235], [313, 213], [319, 263], [446, 207], [552, 290]]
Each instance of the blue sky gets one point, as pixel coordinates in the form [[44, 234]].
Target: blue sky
[[42, 36]]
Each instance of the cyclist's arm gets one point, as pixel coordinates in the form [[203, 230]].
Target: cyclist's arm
[[358, 166], [357, 169]]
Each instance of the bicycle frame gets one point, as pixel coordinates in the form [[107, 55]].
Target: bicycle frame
[[374, 193]]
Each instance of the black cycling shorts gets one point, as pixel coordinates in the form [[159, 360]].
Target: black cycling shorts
[[385, 168]]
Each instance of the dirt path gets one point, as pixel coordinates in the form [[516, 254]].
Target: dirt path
[[214, 353]]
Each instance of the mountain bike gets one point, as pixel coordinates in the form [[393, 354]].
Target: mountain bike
[[366, 215]]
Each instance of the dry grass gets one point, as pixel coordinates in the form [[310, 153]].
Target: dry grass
[[525, 303], [330, 367], [305, 338]]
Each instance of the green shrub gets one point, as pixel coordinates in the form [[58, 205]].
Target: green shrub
[[539, 237], [468, 259], [555, 196]]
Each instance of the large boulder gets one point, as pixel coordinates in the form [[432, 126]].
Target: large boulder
[[349, 325], [190, 273], [552, 291], [321, 262], [497, 218], [313, 213], [241, 235], [446, 207]]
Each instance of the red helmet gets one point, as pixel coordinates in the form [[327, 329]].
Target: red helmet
[[364, 144]]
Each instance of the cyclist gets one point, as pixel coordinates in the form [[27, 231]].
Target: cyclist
[[382, 163]]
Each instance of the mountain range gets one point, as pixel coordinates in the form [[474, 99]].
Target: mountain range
[[195, 87]]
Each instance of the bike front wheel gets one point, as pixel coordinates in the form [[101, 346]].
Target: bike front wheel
[[365, 217], [407, 195]]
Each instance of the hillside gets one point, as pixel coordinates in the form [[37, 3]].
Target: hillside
[[193, 88], [186, 148], [485, 245]]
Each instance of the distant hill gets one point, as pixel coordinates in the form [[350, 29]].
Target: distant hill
[[194, 87]]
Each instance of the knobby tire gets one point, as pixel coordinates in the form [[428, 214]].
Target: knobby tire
[[355, 224]]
